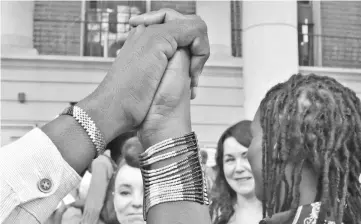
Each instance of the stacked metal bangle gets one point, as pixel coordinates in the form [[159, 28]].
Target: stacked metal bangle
[[183, 180]]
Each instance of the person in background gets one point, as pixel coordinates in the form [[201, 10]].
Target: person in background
[[124, 198], [57, 216], [233, 197], [209, 167], [87, 208], [117, 145], [74, 205], [102, 170]]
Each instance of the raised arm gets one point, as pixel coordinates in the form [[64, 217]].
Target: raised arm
[[169, 116], [102, 171], [41, 168]]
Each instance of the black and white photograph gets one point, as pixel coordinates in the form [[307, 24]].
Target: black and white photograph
[[180, 112]]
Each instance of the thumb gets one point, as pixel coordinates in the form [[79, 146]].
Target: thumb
[[176, 80], [180, 62], [176, 76]]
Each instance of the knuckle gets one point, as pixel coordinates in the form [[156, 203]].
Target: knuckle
[[168, 10], [140, 28], [207, 55], [203, 25], [163, 41], [195, 18], [172, 14]]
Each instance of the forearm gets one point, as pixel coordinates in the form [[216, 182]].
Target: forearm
[[97, 190], [182, 212], [93, 206], [72, 141]]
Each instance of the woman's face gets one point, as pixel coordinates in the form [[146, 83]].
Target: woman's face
[[255, 155], [128, 195], [236, 167]]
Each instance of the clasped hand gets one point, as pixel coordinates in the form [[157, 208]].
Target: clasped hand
[[153, 78]]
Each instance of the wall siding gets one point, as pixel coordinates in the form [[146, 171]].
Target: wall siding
[[50, 85]]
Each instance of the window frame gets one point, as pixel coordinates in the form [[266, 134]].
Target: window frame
[[83, 26]]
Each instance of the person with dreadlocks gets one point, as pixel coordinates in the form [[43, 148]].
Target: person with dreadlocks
[[305, 152]]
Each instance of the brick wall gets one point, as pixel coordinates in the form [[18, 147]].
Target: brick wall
[[341, 19], [57, 27], [57, 24], [185, 7]]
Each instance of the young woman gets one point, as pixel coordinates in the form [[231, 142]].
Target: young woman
[[305, 152], [233, 197], [124, 199]]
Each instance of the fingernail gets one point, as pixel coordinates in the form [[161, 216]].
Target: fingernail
[[200, 72], [132, 18], [194, 92]]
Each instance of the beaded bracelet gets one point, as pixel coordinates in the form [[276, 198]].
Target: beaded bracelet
[[183, 180]]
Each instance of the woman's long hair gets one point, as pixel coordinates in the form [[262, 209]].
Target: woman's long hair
[[312, 120], [223, 197]]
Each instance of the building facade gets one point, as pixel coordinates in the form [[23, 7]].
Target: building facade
[[55, 53]]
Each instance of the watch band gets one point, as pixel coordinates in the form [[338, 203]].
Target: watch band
[[89, 126]]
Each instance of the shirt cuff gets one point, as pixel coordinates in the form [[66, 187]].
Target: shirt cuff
[[37, 174]]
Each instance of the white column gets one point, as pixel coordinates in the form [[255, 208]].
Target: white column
[[17, 27], [270, 49], [217, 15]]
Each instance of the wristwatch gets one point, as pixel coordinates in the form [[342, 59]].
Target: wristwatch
[[89, 126]]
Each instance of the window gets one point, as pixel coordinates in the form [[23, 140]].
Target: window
[[107, 26], [236, 24], [304, 2], [305, 34], [90, 28]]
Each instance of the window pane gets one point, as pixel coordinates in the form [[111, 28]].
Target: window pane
[[305, 34], [236, 23], [107, 26], [184, 7]]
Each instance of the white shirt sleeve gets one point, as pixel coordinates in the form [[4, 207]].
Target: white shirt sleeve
[[34, 178]]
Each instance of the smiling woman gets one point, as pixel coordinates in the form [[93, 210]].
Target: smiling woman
[[128, 195], [124, 200], [233, 194]]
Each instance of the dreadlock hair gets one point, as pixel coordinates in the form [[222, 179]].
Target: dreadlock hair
[[223, 197], [315, 120]]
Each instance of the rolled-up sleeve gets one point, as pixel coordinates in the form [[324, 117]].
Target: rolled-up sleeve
[[34, 178]]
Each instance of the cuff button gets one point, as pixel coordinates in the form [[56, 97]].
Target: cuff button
[[45, 185]]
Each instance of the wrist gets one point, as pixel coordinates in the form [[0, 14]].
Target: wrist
[[107, 115], [171, 129], [72, 141]]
